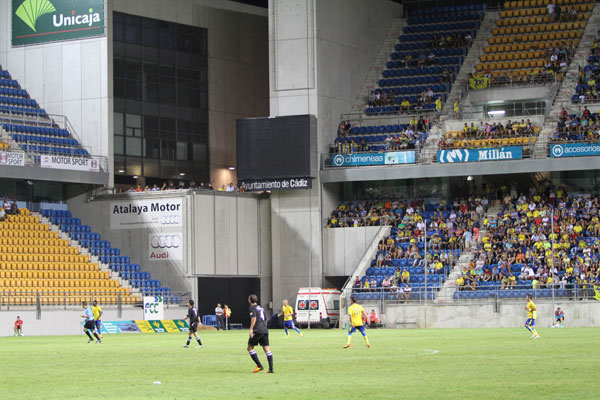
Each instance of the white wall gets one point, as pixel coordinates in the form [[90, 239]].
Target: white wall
[[343, 248], [319, 55], [68, 322], [68, 78], [473, 315]]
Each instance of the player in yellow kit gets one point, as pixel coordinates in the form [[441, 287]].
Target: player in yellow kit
[[531, 316], [97, 311], [288, 318], [356, 312]]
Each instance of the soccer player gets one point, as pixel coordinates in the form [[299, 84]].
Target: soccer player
[[356, 313], [194, 323], [97, 311], [531, 316], [89, 325], [259, 334], [559, 316], [19, 326], [288, 319]]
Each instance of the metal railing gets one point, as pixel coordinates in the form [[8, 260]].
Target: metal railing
[[72, 298]]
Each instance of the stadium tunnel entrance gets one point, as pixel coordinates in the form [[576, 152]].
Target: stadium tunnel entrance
[[231, 291]]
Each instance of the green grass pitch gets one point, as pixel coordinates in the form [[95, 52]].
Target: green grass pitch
[[407, 364]]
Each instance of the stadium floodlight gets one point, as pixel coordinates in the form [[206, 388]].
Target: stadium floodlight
[[232, 168], [470, 178], [182, 174], [496, 113], [121, 171]]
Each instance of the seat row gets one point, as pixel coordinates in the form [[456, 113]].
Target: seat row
[[526, 21], [376, 129], [528, 46], [511, 65], [522, 55], [529, 12], [448, 10], [37, 130], [390, 73], [436, 61], [44, 139], [395, 109], [9, 83], [541, 28], [49, 265], [537, 37], [419, 80], [458, 51], [478, 143], [438, 27], [428, 37], [436, 19], [408, 90], [18, 101], [540, 3], [18, 110], [13, 92], [70, 151]]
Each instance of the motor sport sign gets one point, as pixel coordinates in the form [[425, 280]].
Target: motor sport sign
[[165, 246], [153, 308]]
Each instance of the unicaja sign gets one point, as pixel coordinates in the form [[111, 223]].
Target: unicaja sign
[[38, 21]]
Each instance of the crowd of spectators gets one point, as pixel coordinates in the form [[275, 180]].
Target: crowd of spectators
[[451, 40], [521, 235], [410, 137], [231, 187], [8, 208], [588, 77], [573, 127], [495, 130]]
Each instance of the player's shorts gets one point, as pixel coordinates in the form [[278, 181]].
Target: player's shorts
[[99, 325], [194, 327], [259, 338], [530, 322], [89, 325], [360, 328], [288, 324]]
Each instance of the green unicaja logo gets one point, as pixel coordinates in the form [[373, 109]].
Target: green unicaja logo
[[30, 10]]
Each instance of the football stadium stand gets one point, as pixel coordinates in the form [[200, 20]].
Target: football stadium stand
[[37, 266], [108, 255], [32, 129], [519, 253], [572, 128], [428, 56], [588, 82], [533, 43], [498, 133]]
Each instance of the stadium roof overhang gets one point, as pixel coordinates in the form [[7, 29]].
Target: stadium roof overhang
[[377, 173], [36, 173]]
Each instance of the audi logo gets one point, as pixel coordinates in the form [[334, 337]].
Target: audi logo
[[165, 242], [170, 220]]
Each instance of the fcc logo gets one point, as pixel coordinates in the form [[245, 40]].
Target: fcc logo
[[557, 150], [165, 241], [338, 160], [170, 220]]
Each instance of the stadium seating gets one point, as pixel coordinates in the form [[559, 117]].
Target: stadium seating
[[29, 125], [572, 127], [518, 48], [473, 137], [588, 85], [410, 71], [34, 262], [372, 138], [109, 255], [501, 271]]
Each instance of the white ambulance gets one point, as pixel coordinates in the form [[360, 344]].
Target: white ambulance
[[323, 306]]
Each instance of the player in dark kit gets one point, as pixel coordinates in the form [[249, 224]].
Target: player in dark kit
[[259, 334], [194, 323]]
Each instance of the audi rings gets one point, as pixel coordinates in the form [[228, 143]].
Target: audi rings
[[170, 220], [165, 241]]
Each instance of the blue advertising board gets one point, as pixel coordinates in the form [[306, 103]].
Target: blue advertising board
[[575, 150], [474, 155], [382, 158]]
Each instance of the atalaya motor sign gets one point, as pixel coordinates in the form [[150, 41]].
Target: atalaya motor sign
[[38, 21]]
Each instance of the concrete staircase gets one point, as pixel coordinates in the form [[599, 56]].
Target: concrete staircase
[[446, 293], [378, 65], [82, 250], [459, 87]]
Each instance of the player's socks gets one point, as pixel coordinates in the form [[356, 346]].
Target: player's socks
[[199, 342], [270, 359], [90, 336], [188, 341], [528, 328], [367, 341], [96, 335], [286, 332], [255, 359], [297, 330]]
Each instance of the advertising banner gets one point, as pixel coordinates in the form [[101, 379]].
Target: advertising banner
[[165, 246], [153, 308], [259, 185], [170, 326], [71, 163], [144, 326], [13, 158], [152, 326], [575, 150], [387, 158], [474, 155], [150, 213], [39, 21]]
